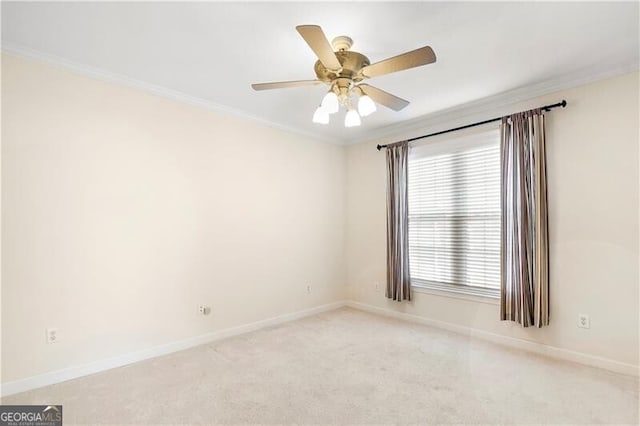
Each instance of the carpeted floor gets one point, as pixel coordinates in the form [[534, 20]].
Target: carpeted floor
[[346, 366]]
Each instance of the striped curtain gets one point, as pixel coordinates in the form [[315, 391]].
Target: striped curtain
[[524, 296], [398, 283]]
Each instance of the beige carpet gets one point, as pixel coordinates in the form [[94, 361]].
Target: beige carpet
[[346, 366]]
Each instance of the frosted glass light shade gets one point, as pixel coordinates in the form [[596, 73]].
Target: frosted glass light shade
[[366, 106], [330, 103], [320, 116], [352, 118]]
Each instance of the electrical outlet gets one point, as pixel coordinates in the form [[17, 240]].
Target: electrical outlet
[[204, 310], [52, 335], [584, 321], [309, 288]]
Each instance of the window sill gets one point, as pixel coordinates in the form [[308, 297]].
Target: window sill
[[491, 297]]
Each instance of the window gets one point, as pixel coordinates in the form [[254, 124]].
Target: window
[[454, 214]]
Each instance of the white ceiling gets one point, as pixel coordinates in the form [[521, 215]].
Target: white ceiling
[[214, 51]]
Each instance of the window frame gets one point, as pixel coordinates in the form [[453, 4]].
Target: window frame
[[444, 145]]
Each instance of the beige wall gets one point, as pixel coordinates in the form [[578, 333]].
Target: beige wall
[[593, 221], [123, 211]]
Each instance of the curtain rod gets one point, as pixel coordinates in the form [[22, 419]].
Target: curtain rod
[[479, 123]]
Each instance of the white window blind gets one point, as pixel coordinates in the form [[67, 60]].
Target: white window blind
[[454, 214]]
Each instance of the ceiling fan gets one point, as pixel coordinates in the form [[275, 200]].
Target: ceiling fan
[[344, 70]]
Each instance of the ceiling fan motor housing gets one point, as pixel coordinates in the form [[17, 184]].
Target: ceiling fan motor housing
[[351, 62]]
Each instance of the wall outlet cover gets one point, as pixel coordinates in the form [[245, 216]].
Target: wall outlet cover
[[52, 335], [584, 321]]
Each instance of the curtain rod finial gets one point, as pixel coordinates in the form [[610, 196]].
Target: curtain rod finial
[[379, 147], [564, 103]]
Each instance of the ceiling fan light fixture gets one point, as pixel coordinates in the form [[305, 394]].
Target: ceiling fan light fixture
[[321, 116], [344, 70], [330, 103], [366, 106], [352, 119]]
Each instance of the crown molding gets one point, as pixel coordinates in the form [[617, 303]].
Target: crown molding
[[499, 101], [99, 74], [435, 120]]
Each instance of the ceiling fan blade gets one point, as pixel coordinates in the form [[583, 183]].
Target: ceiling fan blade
[[285, 84], [317, 41], [415, 58], [384, 98]]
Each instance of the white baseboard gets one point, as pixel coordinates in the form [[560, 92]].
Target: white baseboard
[[538, 348], [33, 382]]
